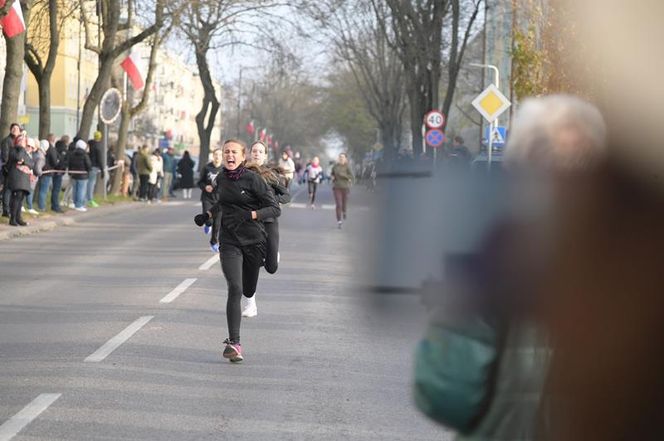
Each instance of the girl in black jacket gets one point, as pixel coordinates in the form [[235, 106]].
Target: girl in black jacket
[[275, 179], [244, 200], [19, 171], [208, 183]]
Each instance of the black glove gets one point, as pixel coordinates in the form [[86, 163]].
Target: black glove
[[201, 219]]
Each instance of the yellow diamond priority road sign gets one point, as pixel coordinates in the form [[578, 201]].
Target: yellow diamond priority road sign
[[491, 103]]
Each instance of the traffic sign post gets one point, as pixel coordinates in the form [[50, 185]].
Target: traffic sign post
[[434, 138], [497, 136], [491, 103], [434, 119]]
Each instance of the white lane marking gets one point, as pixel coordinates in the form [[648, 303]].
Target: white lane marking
[[300, 205], [209, 263], [182, 287], [326, 206], [16, 423], [114, 343]]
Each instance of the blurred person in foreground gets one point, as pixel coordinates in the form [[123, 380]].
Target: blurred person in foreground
[[607, 315], [482, 367]]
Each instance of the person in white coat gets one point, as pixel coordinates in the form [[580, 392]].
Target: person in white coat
[[156, 175]]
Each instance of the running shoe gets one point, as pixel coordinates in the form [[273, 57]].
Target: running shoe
[[33, 212], [214, 247], [233, 351], [207, 229], [93, 203], [339, 224], [82, 209], [249, 308]]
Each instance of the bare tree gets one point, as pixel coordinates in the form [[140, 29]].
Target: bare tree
[[11, 84], [41, 50], [214, 24], [362, 44], [111, 46], [425, 32], [128, 112]]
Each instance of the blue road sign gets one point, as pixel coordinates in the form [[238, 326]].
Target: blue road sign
[[434, 138], [499, 136]]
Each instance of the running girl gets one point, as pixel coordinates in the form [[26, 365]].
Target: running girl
[[244, 200]]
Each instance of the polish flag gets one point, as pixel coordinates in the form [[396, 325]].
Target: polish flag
[[131, 67], [262, 135], [250, 128], [12, 23]]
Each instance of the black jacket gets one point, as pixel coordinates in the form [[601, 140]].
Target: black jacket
[[79, 161], [6, 146], [186, 169], [209, 177], [280, 192], [61, 149], [52, 159], [16, 179], [236, 201], [97, 158]]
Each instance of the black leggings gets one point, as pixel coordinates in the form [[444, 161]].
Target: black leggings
[[216, 220], [313, 186], [240, 266], [272, 251]]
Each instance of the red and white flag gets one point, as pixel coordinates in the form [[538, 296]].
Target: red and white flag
[[12, 23], [262, 135], [131, 67], [250, 128]]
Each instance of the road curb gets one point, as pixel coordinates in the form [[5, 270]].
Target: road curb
[[50, 225]]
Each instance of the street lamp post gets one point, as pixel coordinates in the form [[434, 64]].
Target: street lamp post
[[495, 121]]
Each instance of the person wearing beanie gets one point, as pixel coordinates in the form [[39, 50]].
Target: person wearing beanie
[[79, 169]]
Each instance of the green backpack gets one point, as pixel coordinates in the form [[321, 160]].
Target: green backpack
[[454, 370]]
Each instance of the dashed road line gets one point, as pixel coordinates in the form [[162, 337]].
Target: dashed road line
[[209, 263], [114, 343], [26, 415], [182, 287]]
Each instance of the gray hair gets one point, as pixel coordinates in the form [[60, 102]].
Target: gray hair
[[557, 131]]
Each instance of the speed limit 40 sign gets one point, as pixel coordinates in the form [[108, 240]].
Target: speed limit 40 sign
[[434, 119]]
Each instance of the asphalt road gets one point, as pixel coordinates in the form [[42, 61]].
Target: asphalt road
[[90, 351]]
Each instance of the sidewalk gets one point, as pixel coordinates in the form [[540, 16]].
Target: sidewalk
[[49, 221]]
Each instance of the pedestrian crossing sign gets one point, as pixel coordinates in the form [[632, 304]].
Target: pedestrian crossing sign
[[491, 103], [498, 136]]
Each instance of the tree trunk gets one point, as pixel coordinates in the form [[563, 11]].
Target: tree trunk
[[44, 86], [209, 108], [91, 104], [11, 85]]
